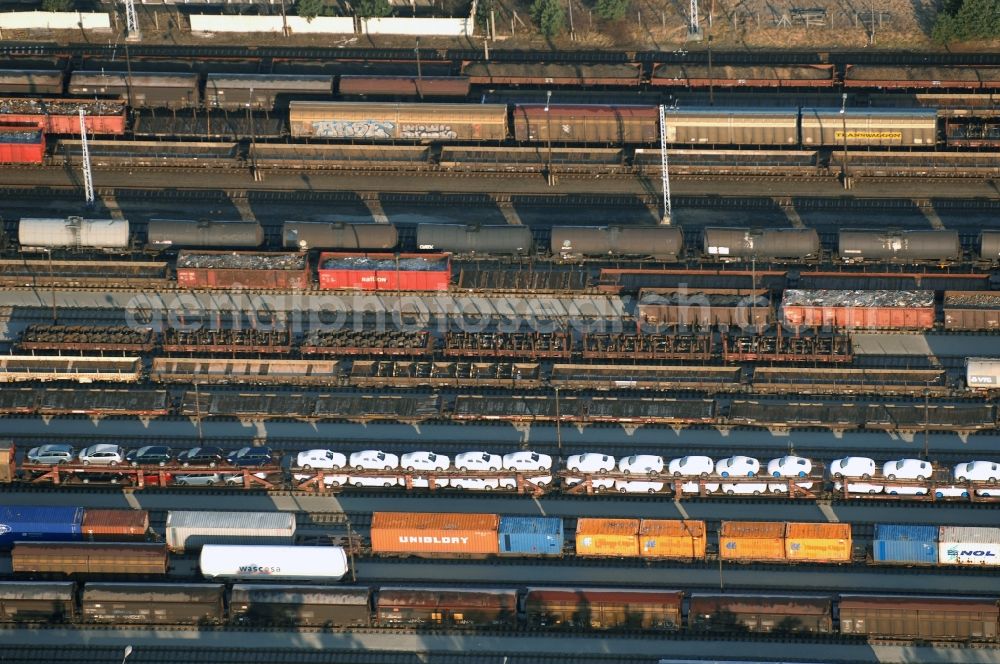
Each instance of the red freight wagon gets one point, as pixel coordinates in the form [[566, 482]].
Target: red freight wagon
[[56, 116], [862, 309], [385, 272], [22, 145], [242, 269]]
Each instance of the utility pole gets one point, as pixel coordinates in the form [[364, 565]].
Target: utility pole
[[549, 175], [420, 77], [558, 425], [88, 176], [927, 421], [694, 30], [132, 21], [843, 118], [665, 169]]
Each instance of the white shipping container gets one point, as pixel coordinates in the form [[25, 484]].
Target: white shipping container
[[73, 232], [965, 545], [983, 373], [192, 530], [326, 563]]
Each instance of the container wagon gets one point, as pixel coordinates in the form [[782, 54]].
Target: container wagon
[[186, 531], [982, 373]]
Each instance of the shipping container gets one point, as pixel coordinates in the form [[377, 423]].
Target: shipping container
[[305, 235], [927, 618], [563, 123], [39, 524], [187, 531], [819, 542], [712, 126], [607, 537], [661, 242], [90, 558], [384, 272], [972, 311], [859, 309], [153, 603], [531, 536], [905, 544], [605, 608], [404, 86], [426, 533], [318, 563], [982, 373], [47, 602], [73, 233], [179, 233], [781, 614], [364, 121], [62, 116], [799, 244], [139, 89], [101, 524], [22, 145], [826, 127], [242, 269], [969, 546], [430, 607], [676, 539], [268, 605], [747, 541]]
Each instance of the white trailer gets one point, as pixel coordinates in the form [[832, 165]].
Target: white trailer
[[318, 563]]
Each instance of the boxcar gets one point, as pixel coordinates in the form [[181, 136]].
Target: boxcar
[[139, 89], [153, 603], [917, 127], [553, 74], [591, 124], [907, 617], [320, 606], [30, 82], [89, 558], [404, 86], [713, 126], [38, 601], [385, 122], [262, 91], [761, 613], [576, 608], [434, 607]]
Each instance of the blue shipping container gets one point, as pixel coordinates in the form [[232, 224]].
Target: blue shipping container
[[905, 544], [46, 524], [531, 535]]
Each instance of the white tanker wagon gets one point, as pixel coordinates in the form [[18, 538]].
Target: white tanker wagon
[[302, 563]]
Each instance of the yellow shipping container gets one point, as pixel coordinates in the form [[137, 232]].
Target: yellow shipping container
[[672, 538], [819, 542], [752, 540], [607, 537]]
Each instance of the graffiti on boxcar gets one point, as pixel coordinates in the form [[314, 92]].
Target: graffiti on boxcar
[[353, 128], [419, 131]]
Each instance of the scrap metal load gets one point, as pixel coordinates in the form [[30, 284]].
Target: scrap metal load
[[854, 309], [22, 145], [385, 272], [62, 116], [972, 310]]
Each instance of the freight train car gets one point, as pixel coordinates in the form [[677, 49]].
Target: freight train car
[[387, 122], [660, 242], [31, 82], [743, 76], [338, 236], [475, 240], [869, 127], [140, 89], [720, 126], [263, 91], [424, 87], [62, 116], [907, 246], [22, 145], [590, 124], [778, 244], [184, 233], [110, 235]]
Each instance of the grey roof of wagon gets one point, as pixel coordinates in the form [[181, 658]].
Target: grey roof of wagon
[[858, 298]]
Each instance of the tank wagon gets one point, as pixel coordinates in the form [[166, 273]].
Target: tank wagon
[[307, 235], [915, 246], [989, 246], [660, 242], [475, 240], [178, 233], [761, 244], [73, 233]]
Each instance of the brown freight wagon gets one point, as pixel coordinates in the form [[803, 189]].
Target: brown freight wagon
[[971, 310], [115, 525], [370, 121], [740, 76], [908, 76], [552, 74], [673, 307], [89, 558], [761, 613], [437, 535], [153, 603], [405, 86], [243, 270], [292, 606], [752, 541], [576, 608], [610, 125], [433, 607], [930, 618], [37, 601]]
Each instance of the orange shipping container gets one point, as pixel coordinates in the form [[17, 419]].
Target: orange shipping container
[[819, 542], [607, 537], [115, 524], [677, 539], [422, 533], [752, 540]]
